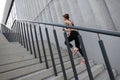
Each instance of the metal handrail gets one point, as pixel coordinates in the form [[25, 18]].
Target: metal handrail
[[93, 30], [106, 32]]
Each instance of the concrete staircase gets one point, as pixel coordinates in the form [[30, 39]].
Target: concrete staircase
[[16, 63]]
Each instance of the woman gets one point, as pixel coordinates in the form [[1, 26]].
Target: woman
[[72, 35]]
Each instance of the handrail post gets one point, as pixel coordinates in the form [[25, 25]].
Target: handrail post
[[11, 37], [85, 57], [60, 56], [37, 43], [30, 48], [26, 37], [16, 32], [106, 59], [71, 57], [33, 41], [51, 52], [20, 32], [23, 34], [19, 38], [44, 52]]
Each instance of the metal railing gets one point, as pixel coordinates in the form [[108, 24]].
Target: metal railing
[[23, 33]]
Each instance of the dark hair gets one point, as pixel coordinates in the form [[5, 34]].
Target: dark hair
[[66, 16]]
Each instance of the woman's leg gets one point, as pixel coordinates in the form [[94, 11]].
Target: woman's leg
[[77, 44], [70, 38]]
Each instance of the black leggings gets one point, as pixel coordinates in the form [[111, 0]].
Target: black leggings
[[74, 36]]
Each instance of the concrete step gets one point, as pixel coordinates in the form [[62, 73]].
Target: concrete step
[[10, 56], [30, 69], [55, 56], [40, 75], [16, 46], [69, 72], [14, 54], [96, 70], [2, 42], [55, 53], [118, 77], [104, 75], [16, 62], [2, 38], [7, 57], [48, 52], [23, 55], [12, 50], [46, 44], [54, 49], [10, 45], [12, 66], [7, 60], [64, 56]]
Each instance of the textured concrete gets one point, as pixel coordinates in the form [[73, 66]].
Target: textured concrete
[[30, 69], [101, 13], [49, 72], [76, 13], [113, 7], [17, 65], [58, 10], [87, 13], [96, 70], [118, 78], [104, 75], [69, 73]]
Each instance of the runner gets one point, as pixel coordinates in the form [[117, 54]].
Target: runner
[[72, 35]]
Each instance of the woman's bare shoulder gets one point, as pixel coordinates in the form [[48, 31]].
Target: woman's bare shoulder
[[68, 22]]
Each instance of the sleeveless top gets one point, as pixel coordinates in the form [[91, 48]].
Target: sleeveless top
[[69, 32]]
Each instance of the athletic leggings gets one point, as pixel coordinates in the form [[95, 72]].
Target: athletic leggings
[[74, 36]]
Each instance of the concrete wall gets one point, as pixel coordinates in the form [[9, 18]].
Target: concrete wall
[[113, 7], [6, 10], [100, 14]]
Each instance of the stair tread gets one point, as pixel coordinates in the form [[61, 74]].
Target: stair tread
[[84, 75], [44, 73], [12, 66], [25, 70], [16, 62], [16, 59], [22, 63], [118, 77], [104, 75], [69, 72], [7, 53]]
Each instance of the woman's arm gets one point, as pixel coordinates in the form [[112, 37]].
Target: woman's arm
[[67, 30]]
